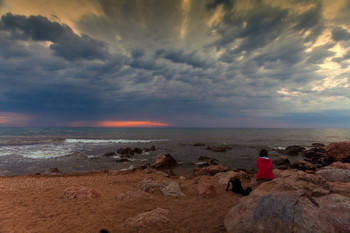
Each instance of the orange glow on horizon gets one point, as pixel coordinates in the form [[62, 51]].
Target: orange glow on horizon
[[117, 124], [130, 124]]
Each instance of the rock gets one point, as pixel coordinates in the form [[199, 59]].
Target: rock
[[153, 148], [296, 181], [217, 148], [207, 190], [137, 150], [149, 218], [122, 160], [303, 165], [109, 154], [173, 190], [224, 177], [339, 151], [281, 212], [125, 151], [162, 161], [318, 145], [282, 161], [149, 185], [133, 195], [198, 144], [283, 167], [79, 193], [335, 175], [294, 150], [210, 170], [338, 207], [339, 165], [311, 154], [54, 170], [341, 188]]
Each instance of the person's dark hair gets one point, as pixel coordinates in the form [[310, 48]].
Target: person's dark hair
[[263, 153]]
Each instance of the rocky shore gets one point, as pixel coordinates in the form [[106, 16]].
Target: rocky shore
[[307, 195]]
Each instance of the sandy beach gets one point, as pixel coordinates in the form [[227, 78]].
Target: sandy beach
[[36, 203]]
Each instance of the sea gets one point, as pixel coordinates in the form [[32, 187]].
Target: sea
[[74, 150]]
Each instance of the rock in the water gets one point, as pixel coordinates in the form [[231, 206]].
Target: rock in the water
[[54, 170], [198, 144], [294, 150], [137, 150], [339, 151], [335, 174], [125, 151], [162, 161], [109, 154], [210, 170], [149, 218], [80, 193], [173, 190], [207, 190], [217, 148]]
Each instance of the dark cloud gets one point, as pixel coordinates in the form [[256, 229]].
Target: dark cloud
[[228, 4], [178, 56], [65, 42], [340, 34], [320, 53]]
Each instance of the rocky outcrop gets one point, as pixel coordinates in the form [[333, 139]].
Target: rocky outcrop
[[172, 189], [210, 170], [80, 193], [218, 148], [303, 165], [149, 218], [162, 161], [294, 150], [292, 202], [207, 190], [339, 151]]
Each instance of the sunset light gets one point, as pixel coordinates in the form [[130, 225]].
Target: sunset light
[[130, 124]]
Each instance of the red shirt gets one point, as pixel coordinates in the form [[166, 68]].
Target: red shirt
[[264, 166]]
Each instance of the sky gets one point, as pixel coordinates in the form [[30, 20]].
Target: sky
[[175, 63]]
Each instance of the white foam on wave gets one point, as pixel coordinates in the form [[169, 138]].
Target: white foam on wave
[[106, 141], [42, 151]]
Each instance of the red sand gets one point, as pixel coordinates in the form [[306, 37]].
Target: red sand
[[36, 204]]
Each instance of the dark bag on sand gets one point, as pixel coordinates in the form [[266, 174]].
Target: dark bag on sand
[[237, 187]]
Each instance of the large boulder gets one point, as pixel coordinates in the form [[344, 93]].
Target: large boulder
[[282, 161], [304, 165], [149, 218], [162, 161], [173, 190], [292, 202], [339, 151], [284, 212], [335, 174], [210, 170], [80, 193], [340, 165]]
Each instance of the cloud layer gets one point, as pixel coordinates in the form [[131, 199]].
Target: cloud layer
[[216, 63]]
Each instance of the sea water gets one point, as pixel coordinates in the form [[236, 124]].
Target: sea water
[[31, 150]]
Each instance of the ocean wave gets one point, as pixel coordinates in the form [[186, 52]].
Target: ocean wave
[[105, 141]]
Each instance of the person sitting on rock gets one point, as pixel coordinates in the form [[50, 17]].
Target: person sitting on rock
[[264, 165]]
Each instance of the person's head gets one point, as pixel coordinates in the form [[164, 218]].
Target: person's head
[[263, 153]]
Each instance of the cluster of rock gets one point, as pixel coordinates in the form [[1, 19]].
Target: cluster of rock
[[316, 157], [213, 148], [126, 152]]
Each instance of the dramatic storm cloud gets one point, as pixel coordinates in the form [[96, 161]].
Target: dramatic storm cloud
[[211, 63]]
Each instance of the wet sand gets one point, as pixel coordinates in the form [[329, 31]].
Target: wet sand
[[36, 203]]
